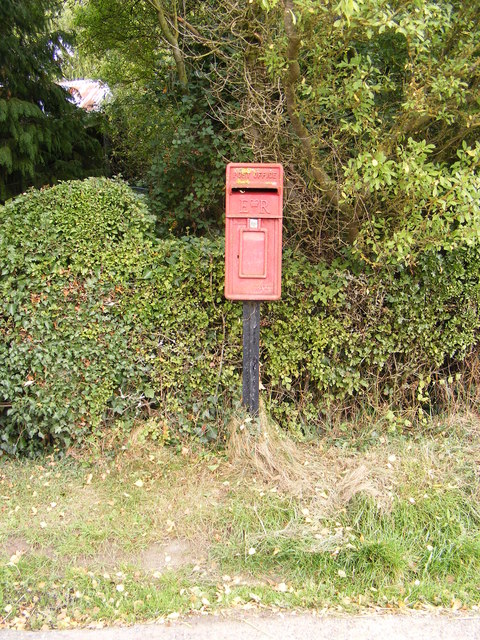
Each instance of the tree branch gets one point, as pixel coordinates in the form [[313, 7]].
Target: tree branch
[[325, 183], [172, 38], [212, 46]]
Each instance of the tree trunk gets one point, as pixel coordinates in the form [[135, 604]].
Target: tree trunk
[[328, 186], [171, 36]]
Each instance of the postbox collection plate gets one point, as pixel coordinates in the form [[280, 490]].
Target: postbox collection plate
[[253, 231]]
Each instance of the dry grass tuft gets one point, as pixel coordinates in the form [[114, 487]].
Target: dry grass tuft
[[356, 480], [466, 425], [257, 447], [329, 478]]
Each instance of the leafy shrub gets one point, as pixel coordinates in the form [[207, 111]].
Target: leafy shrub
[[99, 320], [392, 334], [186, 179], [63, 352]]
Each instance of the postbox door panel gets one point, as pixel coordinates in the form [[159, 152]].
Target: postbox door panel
[[253, 270], [253, 253]]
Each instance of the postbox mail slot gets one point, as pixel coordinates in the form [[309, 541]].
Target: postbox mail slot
[[253, 253], [254, 189]]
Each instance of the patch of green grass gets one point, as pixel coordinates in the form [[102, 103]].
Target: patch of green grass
[[421, 546], [49, 595], [427, 551]]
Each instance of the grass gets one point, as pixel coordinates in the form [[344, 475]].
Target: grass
[[149, 533]]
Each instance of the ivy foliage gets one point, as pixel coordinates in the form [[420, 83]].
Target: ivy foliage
[[100, 321], [61, 349], [187, 174]]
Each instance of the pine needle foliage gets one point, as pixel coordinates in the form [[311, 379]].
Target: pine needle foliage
[[43, 137]]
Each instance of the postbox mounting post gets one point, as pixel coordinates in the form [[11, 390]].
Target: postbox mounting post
[[251, 355]]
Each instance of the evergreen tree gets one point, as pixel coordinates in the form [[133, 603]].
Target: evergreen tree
[[43, 137]]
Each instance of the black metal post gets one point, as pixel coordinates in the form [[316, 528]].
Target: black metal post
[[251, 355]]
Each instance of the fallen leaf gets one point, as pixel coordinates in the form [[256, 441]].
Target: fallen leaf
[[15, 559]]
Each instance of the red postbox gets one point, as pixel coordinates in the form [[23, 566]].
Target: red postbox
[[253, 231]]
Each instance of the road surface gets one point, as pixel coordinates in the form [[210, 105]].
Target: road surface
[[288, 626]]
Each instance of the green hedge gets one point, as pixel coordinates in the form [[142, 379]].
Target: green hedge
[[100, 321]]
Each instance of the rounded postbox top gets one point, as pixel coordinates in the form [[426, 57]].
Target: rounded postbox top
[[250, 175]]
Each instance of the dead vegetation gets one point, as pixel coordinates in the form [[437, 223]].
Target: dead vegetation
[[257, 447], [328, 478]]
